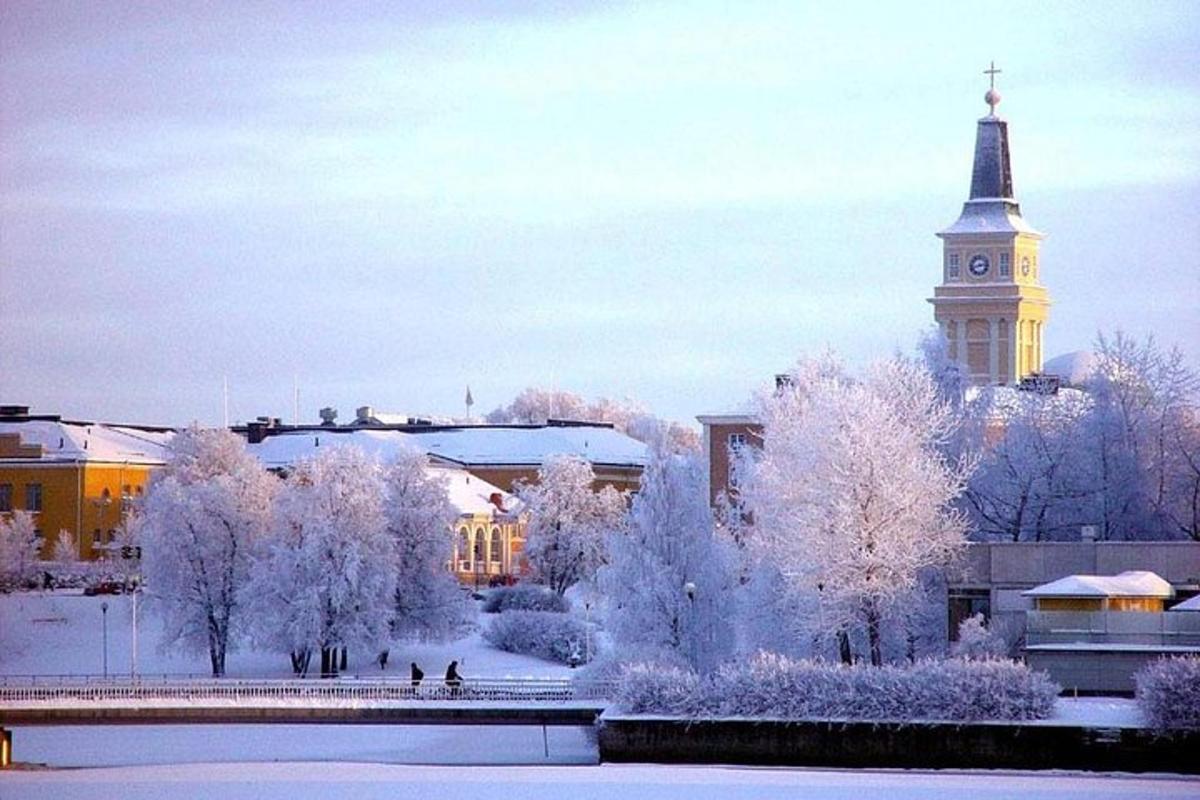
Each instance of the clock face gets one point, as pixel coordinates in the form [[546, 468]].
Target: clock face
[[978, 265], [1025, 266]]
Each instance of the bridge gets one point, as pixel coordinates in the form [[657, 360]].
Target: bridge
[[168, 700]]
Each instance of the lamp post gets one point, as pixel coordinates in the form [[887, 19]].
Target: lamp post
[[689, 589], [104, 628], [587, 631]]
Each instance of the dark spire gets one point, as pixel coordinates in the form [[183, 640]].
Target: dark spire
[[992, 174], [991, 208]]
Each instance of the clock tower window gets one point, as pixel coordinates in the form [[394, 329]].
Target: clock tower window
[[952, 266], [1004, 265]]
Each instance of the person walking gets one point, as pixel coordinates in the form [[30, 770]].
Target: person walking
[[454, 681]]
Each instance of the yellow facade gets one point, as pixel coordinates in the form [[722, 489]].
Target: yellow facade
[[993, 322], [488, 549], [86, 499]]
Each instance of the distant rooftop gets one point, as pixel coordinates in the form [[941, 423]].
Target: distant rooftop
[[1135, 583]]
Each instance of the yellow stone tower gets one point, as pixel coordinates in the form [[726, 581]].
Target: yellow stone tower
[[991, 305]]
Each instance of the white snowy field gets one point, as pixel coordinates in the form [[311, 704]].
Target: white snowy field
[[63, 632], [309, 781]]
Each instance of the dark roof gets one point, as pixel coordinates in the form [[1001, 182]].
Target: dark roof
[[992, 173]]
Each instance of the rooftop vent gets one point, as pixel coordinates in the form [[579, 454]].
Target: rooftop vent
[[14, 411]]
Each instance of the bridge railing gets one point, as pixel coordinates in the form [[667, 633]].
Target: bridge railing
[[70, 690]]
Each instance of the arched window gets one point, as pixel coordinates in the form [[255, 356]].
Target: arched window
[[464, 545], [480, 544], [497, 547]]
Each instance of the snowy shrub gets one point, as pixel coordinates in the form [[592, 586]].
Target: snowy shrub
[[1168, 693], [777, 687], [977, 640], [649, 688], [545, 634], [525, 597]]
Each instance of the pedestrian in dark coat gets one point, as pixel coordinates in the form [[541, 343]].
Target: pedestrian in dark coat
[[453, 679], [417, 675]]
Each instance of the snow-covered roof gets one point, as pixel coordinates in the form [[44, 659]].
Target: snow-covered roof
[[990, 216], [285, 449], [490, 446], [66, 441], [532, 446], [1009, 402], [1135, 583], [1187, 605], [472, 495], [1074, 368], [468, 493]]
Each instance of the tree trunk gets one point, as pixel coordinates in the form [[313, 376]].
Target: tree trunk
[[871, 613], [843, 640], [343, 664], [326, 662]]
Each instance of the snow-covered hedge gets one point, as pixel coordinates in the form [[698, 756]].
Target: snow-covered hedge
[[1168, 693], [525, 597], [778, 687], [545, 634]]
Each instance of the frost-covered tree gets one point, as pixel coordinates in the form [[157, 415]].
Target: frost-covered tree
[[202, 518], [20, 549], [977, 640], [1144, 443], [568, 522], [1032, 482], [534, 405], [419, 516], [326, 581], [66, 552], [851, 496], [668, 576]]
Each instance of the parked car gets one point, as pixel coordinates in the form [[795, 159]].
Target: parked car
[[105, 587]]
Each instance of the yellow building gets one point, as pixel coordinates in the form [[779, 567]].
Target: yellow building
[[74, 476], [991, 305]]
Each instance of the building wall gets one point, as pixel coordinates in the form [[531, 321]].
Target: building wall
[[481, 556], [623, 479], [721, 435], [994, 323], [86, 499]]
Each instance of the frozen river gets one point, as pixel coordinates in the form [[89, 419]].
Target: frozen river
[[291, 762]]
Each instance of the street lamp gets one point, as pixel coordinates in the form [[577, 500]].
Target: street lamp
[[104, 627], [689, 589]]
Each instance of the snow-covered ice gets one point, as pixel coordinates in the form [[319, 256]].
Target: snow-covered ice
[[309, 781]]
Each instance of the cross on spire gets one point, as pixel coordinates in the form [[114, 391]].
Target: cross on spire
[[991, 73], [992, 98]]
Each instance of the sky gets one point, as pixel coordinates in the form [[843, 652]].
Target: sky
[[381, 204]]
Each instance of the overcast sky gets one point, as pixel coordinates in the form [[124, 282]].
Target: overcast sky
[[663, 201]]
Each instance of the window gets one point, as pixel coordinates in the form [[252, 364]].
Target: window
[[952, 266], [737, 441], [33, 497], [964, 603], [1004, 265], [5, 497]]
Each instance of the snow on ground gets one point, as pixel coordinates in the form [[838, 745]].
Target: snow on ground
[[62, 633], [142, 745], [309, 781]]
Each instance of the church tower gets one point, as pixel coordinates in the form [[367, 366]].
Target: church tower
[[991, 305]]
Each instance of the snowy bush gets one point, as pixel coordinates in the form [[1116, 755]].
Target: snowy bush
[[545, 634], [777, 687], [977, 640], [1168, 693], [660, 689], [525, 597]]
